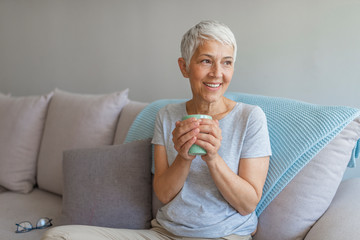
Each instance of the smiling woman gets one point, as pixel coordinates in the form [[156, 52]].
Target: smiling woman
[[212, 195], [210, 72]]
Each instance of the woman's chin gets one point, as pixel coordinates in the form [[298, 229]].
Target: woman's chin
[[213, 97]]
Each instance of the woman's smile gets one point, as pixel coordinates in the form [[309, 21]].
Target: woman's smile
[[212, 86]]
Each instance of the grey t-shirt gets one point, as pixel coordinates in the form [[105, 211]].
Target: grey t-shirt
[[199, 209]]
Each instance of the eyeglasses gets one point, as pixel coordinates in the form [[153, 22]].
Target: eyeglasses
[[26, 226]]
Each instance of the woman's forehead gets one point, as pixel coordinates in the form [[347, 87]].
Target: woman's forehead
[[214, 48]]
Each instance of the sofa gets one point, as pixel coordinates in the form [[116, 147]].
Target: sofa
[[67, 156]]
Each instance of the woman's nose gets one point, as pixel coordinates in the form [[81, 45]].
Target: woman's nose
[[216, 71]]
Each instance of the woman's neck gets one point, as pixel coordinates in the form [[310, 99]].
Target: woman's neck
[[217, 110]]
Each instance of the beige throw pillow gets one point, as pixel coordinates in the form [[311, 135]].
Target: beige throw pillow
[[75, 121], [21, 126], [305, 199]]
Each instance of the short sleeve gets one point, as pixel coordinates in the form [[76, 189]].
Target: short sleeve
[[158, 137], [257, 141]]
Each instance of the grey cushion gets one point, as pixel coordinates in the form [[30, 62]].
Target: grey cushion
[[303, 201], [108, 186], [341, 220]]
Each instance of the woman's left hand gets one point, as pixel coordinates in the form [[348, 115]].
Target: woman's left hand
[[209, 138]]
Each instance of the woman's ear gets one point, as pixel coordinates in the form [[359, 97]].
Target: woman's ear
[[183, 68]]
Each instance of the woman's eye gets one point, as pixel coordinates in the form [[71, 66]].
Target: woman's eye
[[228, 63], [206, 61]]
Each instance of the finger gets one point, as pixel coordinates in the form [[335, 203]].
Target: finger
[[184, 127], [208, 138], [210, 147], [209, 122], [186, 146], [212, 129], [179, 141], [184, 150], [187, 136]]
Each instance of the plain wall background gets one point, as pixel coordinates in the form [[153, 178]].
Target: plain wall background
[[307, 50]]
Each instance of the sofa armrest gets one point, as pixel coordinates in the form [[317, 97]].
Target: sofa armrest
[[341, 220]]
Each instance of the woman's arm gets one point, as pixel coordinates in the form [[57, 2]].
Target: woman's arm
[[169, 180], [242, 191]]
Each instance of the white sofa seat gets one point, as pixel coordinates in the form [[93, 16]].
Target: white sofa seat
[[18, 207]]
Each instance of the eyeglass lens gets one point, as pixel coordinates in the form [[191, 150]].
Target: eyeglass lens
[[43, 222], [24, 227]]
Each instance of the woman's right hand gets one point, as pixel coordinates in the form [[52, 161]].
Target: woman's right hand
[[184, 136]]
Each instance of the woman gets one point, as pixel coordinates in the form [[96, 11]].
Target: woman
[[213, 195]]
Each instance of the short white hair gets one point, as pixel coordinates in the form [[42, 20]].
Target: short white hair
[[206, 30]]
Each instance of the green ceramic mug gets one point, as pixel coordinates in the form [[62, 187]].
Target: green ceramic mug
[[195, 149]]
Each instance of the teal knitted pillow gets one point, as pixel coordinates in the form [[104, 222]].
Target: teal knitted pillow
[[298, 131]]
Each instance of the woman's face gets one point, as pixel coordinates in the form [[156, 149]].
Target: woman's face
[[210, 70]]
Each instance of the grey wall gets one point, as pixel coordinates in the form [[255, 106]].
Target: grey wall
[[307, 50]]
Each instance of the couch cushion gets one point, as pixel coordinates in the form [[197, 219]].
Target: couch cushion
[[341, 220], [305, 199], [2, 189], [75, 121], [21, 127], [108, 186], [127, 116], [16, 207]]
